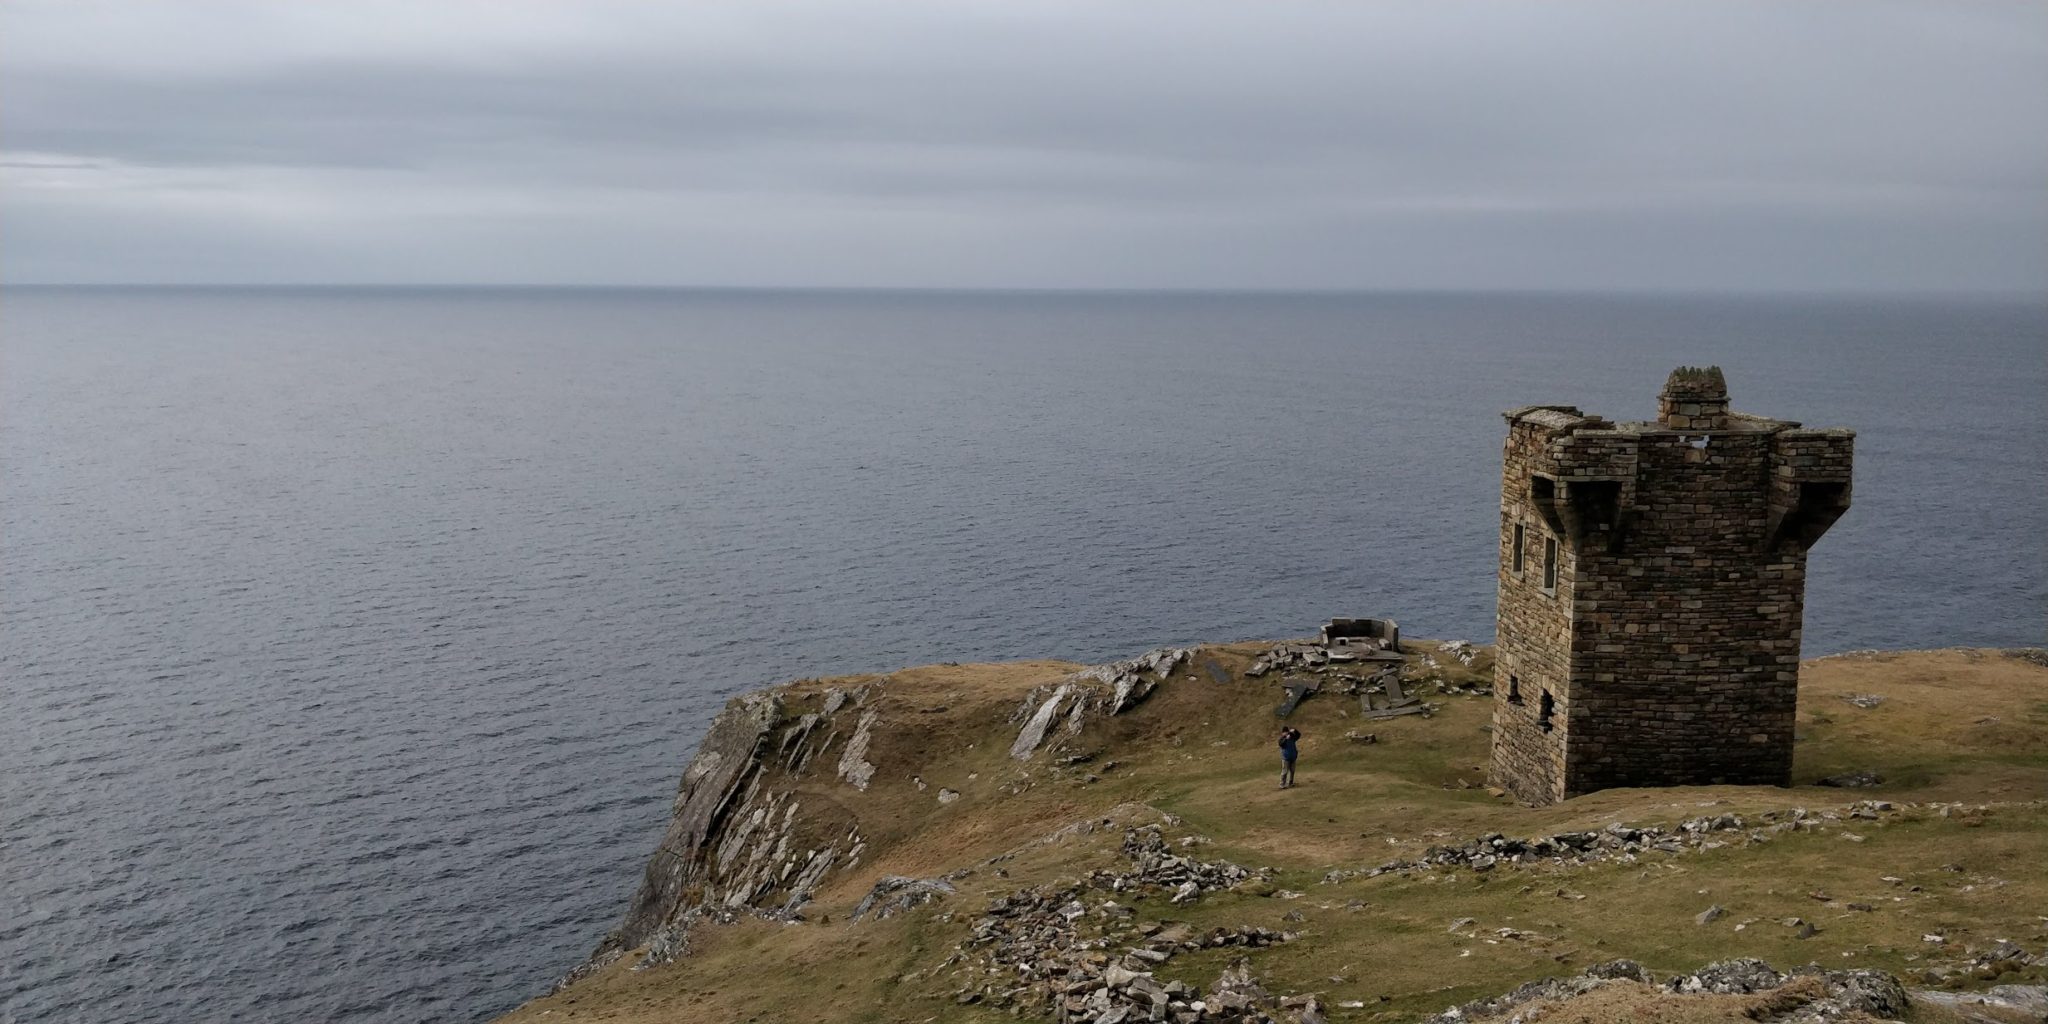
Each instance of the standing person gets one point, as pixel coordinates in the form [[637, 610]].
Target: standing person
[[1289, 737]]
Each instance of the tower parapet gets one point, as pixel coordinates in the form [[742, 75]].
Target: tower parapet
[[1652, 587]]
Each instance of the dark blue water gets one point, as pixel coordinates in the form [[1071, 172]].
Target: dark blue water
[[354, 641]]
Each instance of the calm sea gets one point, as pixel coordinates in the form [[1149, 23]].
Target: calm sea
[[354, 640]]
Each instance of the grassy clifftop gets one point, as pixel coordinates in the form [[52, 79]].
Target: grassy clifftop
[[823, 787]]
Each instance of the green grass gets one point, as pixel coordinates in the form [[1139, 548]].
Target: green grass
[[1956, 726]]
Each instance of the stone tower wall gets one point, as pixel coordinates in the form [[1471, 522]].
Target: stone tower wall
[[1670, 645], [1533, 635], [1688, 639]]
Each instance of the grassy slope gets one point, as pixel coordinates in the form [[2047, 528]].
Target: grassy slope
[[1955, 726]]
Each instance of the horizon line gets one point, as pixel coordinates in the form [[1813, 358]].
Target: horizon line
[[1181, 290]]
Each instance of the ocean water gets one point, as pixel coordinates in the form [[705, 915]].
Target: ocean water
[[352, 642]]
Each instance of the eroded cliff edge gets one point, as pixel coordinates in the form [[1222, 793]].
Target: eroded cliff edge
[[1009, 825], [767, 808]]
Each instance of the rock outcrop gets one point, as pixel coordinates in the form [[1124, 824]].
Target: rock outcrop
[[737, 846], [752, 834], [1111, 689], [726, 762]]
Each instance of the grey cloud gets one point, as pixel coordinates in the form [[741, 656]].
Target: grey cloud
[[1188, 144]]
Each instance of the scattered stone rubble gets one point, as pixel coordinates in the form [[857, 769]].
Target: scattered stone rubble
[[1313, 657], [1382, 696], [1839, 995], [1593, 977], [1462, 650], [1624, 843], [2012, 999], [1088, 958], [895, 894], [1371, 668], [1378, 691], [1874, 993], [1159, 867], [672, 940], [1465, 653], [1303, 655], [1465, 689], [1343, 642], [1991, 963], [1861, 778]]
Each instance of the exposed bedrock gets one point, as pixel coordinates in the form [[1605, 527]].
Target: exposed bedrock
[[758, 824], [727, 760]]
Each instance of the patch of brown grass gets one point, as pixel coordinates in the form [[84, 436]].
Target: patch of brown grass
[[1955, 725]]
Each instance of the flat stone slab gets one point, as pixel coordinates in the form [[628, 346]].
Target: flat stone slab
[[1395, 698], [1296, 693], [1412, 709]]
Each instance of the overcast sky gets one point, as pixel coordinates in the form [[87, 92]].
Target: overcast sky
[[1028, 143]]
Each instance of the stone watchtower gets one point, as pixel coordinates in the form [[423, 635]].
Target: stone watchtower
[[1652, 582]]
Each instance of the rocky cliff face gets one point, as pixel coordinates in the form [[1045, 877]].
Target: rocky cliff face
[[684, 869], [769, 808]]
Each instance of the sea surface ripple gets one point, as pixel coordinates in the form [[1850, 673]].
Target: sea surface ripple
[[354, 640]]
